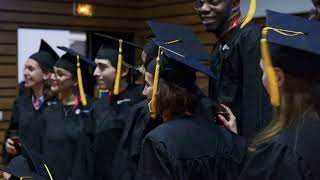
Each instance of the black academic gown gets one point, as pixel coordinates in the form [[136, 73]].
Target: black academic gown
[[139, 125], [25, 119], [235, 63], [110, 115], [66, 141], [190, 148], [291, 155]]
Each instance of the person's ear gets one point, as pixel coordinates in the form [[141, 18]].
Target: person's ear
[[124, 71], [280, 76]]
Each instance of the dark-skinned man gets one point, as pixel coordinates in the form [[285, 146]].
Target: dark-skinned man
[[235, 63]]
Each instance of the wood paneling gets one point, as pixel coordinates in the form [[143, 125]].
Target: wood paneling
[[6, 103], [5, 59], [8, 70], [8, 91]]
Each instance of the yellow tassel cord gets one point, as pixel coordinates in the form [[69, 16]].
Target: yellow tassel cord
[[152, 103], [48, 171], [267, 62], [80, 84], [172, 42], [118, 73], [25, 177], [250, 15]]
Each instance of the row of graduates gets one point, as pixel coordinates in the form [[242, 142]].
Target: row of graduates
[[171, 134]]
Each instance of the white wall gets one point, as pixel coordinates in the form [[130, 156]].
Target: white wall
[[29, 43], [284, 6]]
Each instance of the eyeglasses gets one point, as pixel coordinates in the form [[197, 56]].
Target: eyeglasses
[[199, 3]]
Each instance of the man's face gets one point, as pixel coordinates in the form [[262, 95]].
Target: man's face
[[214, 13], [105, 74]]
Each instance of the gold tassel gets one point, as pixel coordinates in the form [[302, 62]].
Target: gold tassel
[[80, 83], [267, 62], [269, 70], [118, 73], [48, 171], [250, 14], [152, 103]]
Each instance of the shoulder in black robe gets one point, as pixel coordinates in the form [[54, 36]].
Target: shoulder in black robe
[[291, 155], [191, 148], [236, 64], [110, 120], [25, 119], [139, 125], [127, 156], [66, 142]]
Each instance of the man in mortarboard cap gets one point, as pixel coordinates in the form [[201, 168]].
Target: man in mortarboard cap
[[110, 113], [28, 165], [28, 106], [288, 148], [186, 142], [235, 63]]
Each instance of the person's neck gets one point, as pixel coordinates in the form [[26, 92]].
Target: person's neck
[[37, 91], [224, 30], [70, 97], [123, 85]]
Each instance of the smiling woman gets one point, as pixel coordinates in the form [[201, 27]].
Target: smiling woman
[[66, 123], [30, 105]]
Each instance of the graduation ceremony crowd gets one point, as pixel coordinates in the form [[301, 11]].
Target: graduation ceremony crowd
[[259, 121]]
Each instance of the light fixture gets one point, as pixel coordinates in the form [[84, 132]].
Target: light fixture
[[82, 9]]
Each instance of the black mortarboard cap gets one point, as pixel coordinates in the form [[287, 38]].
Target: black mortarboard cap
[[184, 59], [293, 44], [46, 56], [28, 165], [110, 51], [151, 51], [68, 61], [298, 54], [180, 39]]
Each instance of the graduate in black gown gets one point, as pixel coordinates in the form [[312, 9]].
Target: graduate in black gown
[[67, 122], [139, 124], [110, 113], [24, 122], [288, 148], [235, 62], [186, 145]]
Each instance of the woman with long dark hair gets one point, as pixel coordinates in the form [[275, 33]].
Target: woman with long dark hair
[[27, 107]]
